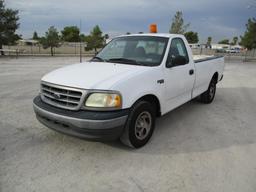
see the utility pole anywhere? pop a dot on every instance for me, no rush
(80, 41)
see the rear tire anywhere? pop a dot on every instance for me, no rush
(208, 96)
(140, 125)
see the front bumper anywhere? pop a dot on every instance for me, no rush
(91, 125)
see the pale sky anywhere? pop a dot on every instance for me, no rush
(219, 18)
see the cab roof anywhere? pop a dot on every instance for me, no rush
(168, 35)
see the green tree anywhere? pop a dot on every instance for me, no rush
(71, 34)
(82, 37)
(8, 25)
(209, 42)
(178, 25)
(224, 41)
(234, 41)
(51, 39)
(95, 40)
(192, 37)
(249, 38)
(35, 36)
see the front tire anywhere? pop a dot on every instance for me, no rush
(140, 125)
(208, 96)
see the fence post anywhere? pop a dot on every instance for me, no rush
(245, 55)
(31, 49)
(17, 53)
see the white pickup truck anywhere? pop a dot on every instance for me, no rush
(120, 92)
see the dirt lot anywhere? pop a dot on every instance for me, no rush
(194, 148)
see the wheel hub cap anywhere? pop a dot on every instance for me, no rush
(143, 125)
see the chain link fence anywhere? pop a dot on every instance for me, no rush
(74, 50)
(244, 56)
(38, 50)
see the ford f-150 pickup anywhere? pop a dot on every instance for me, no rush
(120, 92)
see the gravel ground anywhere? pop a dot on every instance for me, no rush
(196, 147)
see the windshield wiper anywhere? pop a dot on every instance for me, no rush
(98, 59)
(124, 60)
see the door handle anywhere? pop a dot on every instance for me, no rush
(191, 71)
(160, 81)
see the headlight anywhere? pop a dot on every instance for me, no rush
(104, 100)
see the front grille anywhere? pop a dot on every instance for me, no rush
(63, 97)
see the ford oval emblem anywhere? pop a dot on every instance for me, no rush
(56, 95)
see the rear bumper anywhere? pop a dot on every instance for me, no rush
(91, 125)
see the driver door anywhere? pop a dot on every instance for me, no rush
(179, 75)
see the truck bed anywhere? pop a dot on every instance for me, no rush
(201, 58)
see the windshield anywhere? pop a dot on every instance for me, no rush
(137, 50)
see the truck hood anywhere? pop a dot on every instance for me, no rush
(93, 75)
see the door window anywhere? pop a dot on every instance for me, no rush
(178, 53)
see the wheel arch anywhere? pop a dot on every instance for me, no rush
(216, 76)
(151, 98)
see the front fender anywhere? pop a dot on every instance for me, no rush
(141, 84)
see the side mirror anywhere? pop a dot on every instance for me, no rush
(176, 61)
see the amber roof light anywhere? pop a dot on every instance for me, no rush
(153, 28)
